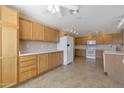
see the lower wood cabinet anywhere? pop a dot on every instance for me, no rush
(99, 54)
(55, 59)
(27, 67)
(42, 63)
(80, 52)
(31, 66)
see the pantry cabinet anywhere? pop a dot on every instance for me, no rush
(8, 46)
(42, 63)
(25, 29)
(27, 67)
(38, 31)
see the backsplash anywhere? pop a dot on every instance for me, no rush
(36, 46)
(103, 47)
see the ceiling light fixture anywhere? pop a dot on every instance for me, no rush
(54, 8)
(74, 31)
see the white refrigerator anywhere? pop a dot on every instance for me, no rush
(67, 45)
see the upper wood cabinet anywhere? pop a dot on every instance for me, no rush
(8, 46)
(25, 29)
(38, 31)
(91, 37)
(99, 39)
(51, 35)
(117, 38)
(8, 16)
(33, 31)
(107, 38)
(79, 41)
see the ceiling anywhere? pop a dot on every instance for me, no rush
(91, 19)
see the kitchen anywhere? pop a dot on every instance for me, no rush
(36, 50)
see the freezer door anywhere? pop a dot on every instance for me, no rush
(70, 50)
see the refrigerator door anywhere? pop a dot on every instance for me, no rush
(70, 50)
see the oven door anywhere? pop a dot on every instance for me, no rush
(91, 53)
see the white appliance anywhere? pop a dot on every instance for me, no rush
(91, 49)
(91, 42)
(67, 45)
(91, 53)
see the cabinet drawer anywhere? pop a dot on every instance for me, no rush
(27, 74)
(26, 58)
(27, 63)
(28, 68)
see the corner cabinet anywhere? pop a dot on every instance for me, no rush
(8, 46)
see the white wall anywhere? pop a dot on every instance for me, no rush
(36, 46)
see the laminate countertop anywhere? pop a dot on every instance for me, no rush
(36, 53)
(113, 52)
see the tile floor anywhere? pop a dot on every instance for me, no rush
(80, 74)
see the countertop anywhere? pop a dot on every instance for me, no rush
(36, 53)
(114, 52)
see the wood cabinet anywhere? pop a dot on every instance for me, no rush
(114, 66)
(29, 30)
(99, 39)
(80, 52)
(8, 46)
(99, 54)
(42, 63)
(51, 35)
(79, 41)
(27, 67)
(63, 33)
(25, 29)
(55, 59)
(107, 39)
(38, 31)
(117, 38)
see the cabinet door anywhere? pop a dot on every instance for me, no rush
(9, 42)
(107, 39)
(79, 41)
(42, 63)
(91, 37)
(60, 58)
(99, 39)
(9, 16)
(52, 60)
(25, 29)
(78, 52)
(114, 66)
(51, 35)
(9, 71)
(117, 38)
(38, 31)
(0, 72)
(0, 41)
